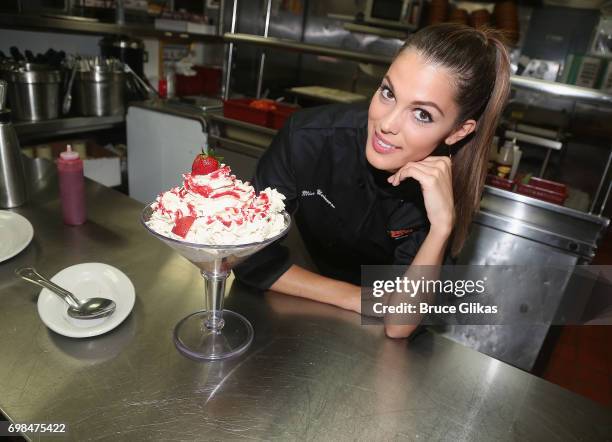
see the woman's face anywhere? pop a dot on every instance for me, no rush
(412, 112)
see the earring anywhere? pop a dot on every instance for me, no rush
(450, 154)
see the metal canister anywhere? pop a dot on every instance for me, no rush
(34, 92)
(100, 92)
(12, 174)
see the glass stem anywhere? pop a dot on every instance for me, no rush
(214, 293)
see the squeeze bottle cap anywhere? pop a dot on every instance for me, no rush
(69, 154)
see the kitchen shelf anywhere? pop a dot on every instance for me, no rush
(237, 146)
(235, 134)
(563, 90)
(279, 43)
(215, 116)
(81, 25)
(32, 131)
(549, 87)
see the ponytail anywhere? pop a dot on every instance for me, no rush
(470, 162)
(479, 62)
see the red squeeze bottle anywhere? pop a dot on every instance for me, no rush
(72, 187)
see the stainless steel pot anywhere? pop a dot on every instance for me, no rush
(99, 92)
(34, 92)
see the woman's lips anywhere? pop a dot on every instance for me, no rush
(381, 146)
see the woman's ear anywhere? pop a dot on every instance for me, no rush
(461, 132)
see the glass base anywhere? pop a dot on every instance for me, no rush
(193, 339)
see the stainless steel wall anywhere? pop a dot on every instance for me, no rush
(312, 24)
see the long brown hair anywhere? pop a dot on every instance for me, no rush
(480, 66)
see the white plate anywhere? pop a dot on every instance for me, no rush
(88, 280)
(16, 232)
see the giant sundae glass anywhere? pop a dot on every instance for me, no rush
(202, 203)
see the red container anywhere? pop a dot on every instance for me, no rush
(239, 109)
(207, 81)
(162, 88)
(280, 115)
(210, 79)
(188, 85)
(550, 191)
(500, 182)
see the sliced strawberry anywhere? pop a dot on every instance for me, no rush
(203, 164)
(182, 225)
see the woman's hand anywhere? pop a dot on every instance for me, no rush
(435, 176)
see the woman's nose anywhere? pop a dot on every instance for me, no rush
(391, 122)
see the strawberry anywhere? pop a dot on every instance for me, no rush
(205, 163)
(182, 225)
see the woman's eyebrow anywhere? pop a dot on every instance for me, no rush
(390, 83)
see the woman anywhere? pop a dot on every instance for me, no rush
(397, 183)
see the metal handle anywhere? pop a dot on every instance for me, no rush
(3, 90)
(140, 81)
(68, 97)
(31, 275)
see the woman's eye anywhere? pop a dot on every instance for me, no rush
(422, 116)
(386, 93)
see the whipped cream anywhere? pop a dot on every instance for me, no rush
(227, 211)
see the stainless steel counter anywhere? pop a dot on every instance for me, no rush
(313, 371)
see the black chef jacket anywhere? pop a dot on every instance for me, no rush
(346, 211)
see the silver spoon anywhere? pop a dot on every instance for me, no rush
(90, 308)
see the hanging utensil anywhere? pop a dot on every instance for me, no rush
(68, 97)
(140, 81)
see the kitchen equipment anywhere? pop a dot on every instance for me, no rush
(68, 97)
(327, 95)
(151, 128)
(404, 14)
(34, 91)
(267, 113)
(280, 115)
(90, 308)
(502, 183)
(99, 88)
(12, 173)
(129, 51)
(125, 49)
(546, 190)
(133, 76)
(241, 109)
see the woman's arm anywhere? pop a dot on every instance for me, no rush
(303, 283)
(431, 253)
(297, 281)
(435, 177)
